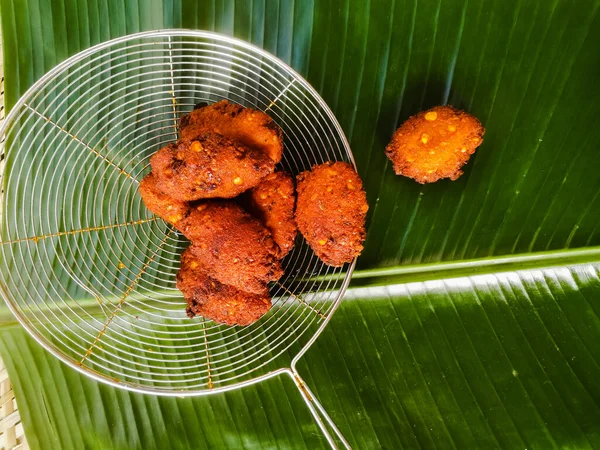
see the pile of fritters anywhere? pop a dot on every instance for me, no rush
(237, 246)
(225, 150)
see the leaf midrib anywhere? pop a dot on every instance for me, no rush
(437, 271)
(484, 266)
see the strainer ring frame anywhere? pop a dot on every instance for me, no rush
(227, 40)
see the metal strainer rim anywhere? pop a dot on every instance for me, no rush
(174, 33)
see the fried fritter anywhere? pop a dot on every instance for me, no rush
(435, 144)
(272, 202)
(159, 203)
(234, 246)
(331, 211)
(250, 127)
(213, 300)
(208, 166)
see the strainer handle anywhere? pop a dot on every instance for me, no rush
(319, 413)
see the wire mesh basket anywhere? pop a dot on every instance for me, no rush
(90, 272)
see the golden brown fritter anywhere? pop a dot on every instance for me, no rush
(331, 211)
(250, 127)
(208, 166)
(272, 202)
(233, 246)
(160, 203)
(213, 300)
(435, 144)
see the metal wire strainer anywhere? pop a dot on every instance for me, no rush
(90, 272)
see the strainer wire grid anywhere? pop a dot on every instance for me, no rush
(90, 272)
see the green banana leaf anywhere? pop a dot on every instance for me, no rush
(492, 361)
(503, 358)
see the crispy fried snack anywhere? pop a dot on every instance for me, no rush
(331, 211)
(272, 202)
(234, 246)
(208, 166)
(250, 127)
(159, 203)
(213, 300)
(435, 144)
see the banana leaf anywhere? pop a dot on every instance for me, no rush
(497, 349)
(491, 361)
